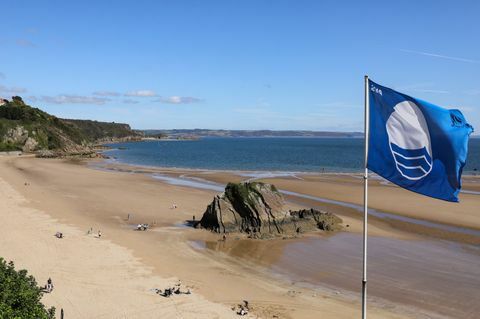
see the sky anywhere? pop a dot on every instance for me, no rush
(283, 65)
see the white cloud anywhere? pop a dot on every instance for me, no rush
(74, 99)
(12, 90)
(441, 56)
(179, 100)
(141, 93)
(106, 93)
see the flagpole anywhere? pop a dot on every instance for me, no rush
(365, 203)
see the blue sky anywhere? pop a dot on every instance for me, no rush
(237, 64)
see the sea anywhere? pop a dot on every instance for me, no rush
(258, 154)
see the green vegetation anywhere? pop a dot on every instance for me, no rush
(94, 130)
(9, 147)
(243, 192)
(154, 134)
(19, 295)
(50, 132)
(234, 191)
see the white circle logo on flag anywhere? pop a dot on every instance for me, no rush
(409, 141)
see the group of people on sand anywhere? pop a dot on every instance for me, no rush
(143, 227)
(60, 235)
(90, 231)
(176, 289)
(242, 309)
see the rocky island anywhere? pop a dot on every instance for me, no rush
(258, 210)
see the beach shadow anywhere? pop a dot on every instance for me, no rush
(191, 223)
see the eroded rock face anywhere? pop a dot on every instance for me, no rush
(258, 209)
(30, 145)
(17, 135)
(246, 207)
(324, 221)
(20, 136)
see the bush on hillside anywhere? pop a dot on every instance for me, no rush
(19, 295)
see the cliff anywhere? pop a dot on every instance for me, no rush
(30, 129)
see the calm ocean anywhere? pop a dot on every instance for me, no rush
(257, 154)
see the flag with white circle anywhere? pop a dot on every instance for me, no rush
(416, 145)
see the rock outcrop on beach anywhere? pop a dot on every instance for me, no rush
(245, 207)
(258, 209)
(323, 220)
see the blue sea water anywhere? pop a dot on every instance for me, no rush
(258, 154)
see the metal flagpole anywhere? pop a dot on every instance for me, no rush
(365, 204)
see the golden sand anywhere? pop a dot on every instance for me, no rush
(111, 277)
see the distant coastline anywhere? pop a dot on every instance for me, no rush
(198, 133)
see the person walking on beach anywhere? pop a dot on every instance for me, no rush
(99, 234)
(49, 285)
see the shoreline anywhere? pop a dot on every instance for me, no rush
(208, 177)
(443, 231)
(256, 174)
(252, 171)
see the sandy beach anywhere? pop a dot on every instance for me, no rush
(113, 276)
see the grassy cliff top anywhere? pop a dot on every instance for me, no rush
(19, 121)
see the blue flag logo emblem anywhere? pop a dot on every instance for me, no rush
(415, 144)
(409, 141)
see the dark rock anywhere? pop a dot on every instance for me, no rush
(246, 207)
(258, 209)
(46, 154)
(325, 221)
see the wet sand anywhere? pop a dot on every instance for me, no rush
(71, 197)
(297, 278)
(435, 277)
(321, 196)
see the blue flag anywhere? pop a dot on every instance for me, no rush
(416, 145)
